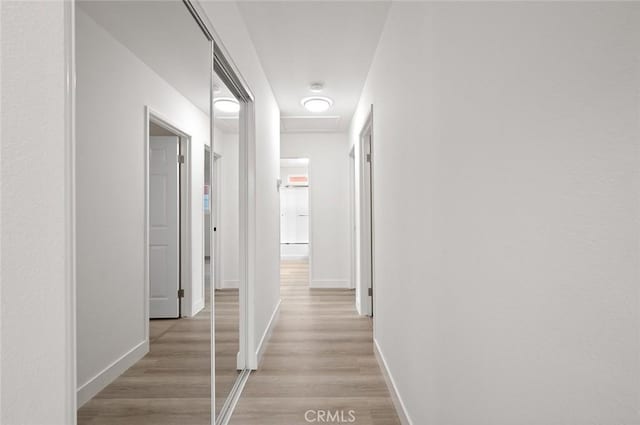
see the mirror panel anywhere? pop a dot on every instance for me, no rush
(142, 124)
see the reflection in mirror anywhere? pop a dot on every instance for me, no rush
(143, 317)
(226, 111)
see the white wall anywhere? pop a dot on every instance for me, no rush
(36, 375)
(113, 88)
(328, 155)
(506, 207)
(230, 26)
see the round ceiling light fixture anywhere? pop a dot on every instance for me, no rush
(317, 103)
(227, 104)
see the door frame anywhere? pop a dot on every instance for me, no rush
(184, 235)
(352, 220)
(366, 217)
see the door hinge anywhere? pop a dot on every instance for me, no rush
(368, 157)
(180, 293)
(371, 292)
(180, 159)
(215, 228)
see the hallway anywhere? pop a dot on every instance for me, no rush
(320, 357)
(468, 171)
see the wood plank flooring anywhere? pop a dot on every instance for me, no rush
(171, 384)
(319, 357)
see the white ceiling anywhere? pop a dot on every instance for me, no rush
(300, 42)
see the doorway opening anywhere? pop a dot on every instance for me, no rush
(363, 213)
(168, 224)
(295, 220)
(353, 234)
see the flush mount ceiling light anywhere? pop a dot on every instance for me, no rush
(317, 103)
(227, 104)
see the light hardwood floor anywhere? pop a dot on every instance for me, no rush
(319, 357)
(171, 384)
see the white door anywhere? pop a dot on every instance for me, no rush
(164, 227)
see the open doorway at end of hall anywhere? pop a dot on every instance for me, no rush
(295, 241)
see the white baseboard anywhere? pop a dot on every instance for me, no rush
(197, 307)
(405, 419)
(96, 384)
(230, 284)
(266, 336)
(330, 284)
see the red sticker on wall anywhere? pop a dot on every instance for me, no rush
(298, 179)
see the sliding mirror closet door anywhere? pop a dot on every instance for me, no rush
(143, 121)
(227, 260)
